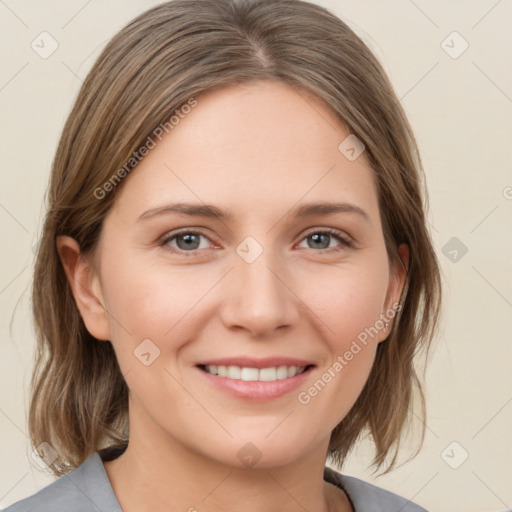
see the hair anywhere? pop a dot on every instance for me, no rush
(153, 66)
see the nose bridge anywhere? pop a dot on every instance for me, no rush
(260, 300)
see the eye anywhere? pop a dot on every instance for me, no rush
(189, 241)
(320, 239)
(186, 241)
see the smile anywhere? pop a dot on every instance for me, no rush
(247, 374)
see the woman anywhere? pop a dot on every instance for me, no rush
(234, 274)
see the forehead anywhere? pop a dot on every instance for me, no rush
(260, 147)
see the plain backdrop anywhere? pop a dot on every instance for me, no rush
(450, 65)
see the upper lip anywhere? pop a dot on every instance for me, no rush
(250, 362)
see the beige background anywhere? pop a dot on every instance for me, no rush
(461, 111)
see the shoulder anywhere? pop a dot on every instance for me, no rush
(365, 496)
(85, 489)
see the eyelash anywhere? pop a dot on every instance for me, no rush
(345, 241)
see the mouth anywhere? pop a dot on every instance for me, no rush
(255, 379)
(252, 374)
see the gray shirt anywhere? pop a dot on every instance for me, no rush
(88, 489)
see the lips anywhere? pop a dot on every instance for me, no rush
(249, 362)
(256, 379)
(248, 374)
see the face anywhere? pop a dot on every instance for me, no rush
(249, 293)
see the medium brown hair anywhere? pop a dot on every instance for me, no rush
(152, 67)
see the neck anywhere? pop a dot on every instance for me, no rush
(157, 473)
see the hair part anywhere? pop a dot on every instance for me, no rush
(152, 67)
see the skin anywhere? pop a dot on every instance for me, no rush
(258, 150)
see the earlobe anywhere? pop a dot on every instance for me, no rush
(403, 252)
(396, 285)
(399, 276)
(85, 286)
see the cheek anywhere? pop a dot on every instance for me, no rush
(158, 303)
(347, 299)
(172, 305)
(150, 300)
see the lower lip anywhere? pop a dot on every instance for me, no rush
(256, 389)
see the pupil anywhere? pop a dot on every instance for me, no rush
(316, 237)
(189, 239)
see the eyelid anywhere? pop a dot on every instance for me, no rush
(171, 235)
(346, 240)
(342, 235)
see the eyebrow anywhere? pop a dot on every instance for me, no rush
(210, 211)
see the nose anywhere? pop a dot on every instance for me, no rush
(259, 296)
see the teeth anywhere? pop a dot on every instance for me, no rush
(234, 372)
(282, 372)
(268, 374)
(253, 374)
(248, 374)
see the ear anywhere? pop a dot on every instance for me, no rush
(397, 281)
(85, 285)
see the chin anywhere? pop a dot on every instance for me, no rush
(263, 451)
